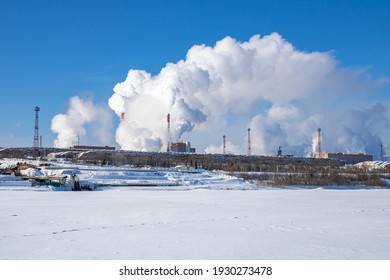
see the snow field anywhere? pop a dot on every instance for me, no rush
(150, 223)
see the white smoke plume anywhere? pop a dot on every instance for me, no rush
(229, 149)
(282, 93)
(71, 126)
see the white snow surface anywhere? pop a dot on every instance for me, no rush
(208, 215)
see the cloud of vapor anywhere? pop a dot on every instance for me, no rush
(281, 93)
(229, 149)
(349, 131)
(71, 126)
(358, 131)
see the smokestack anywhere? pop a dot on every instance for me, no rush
(381, 152)
(249, 142)
(169, 131)
(224, 144)
(319, 141)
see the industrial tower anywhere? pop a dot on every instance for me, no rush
(381, 152)
(169, 132)
(249, 142)
(224, 144)
(36, 129)
(319, 141)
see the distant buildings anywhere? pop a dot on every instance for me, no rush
(182, 147)
(347, 158)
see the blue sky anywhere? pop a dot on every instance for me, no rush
(53, 50)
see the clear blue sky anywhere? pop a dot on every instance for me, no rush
(52, 50)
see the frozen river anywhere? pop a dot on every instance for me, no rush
(194, 223)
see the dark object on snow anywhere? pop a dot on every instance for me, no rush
(76, 183)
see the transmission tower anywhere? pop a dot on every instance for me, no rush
(36, 129)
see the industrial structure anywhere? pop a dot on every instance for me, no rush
(182, 147)
(176, 147)
(36, 129)
(319, 144)
(347, 158)
(224, 144)
(381, 151)
(279, 151)
(249, 152)
(168, 131)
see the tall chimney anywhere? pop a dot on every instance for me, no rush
(169, 131)
(249, 142)
(319, 141)
(224, 144)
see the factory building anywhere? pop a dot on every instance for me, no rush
(347, 158)
(181, 147)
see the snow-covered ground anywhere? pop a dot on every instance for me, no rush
(205, 215)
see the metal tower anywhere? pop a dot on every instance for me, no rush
(224, 144)
(249, 142)
(319, 141)
(36, 129)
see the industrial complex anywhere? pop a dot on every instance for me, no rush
(185, 147)
(181, 147)
(320, 169)
(347, 158)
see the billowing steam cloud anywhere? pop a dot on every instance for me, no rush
(71, 126)
(283, 94)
